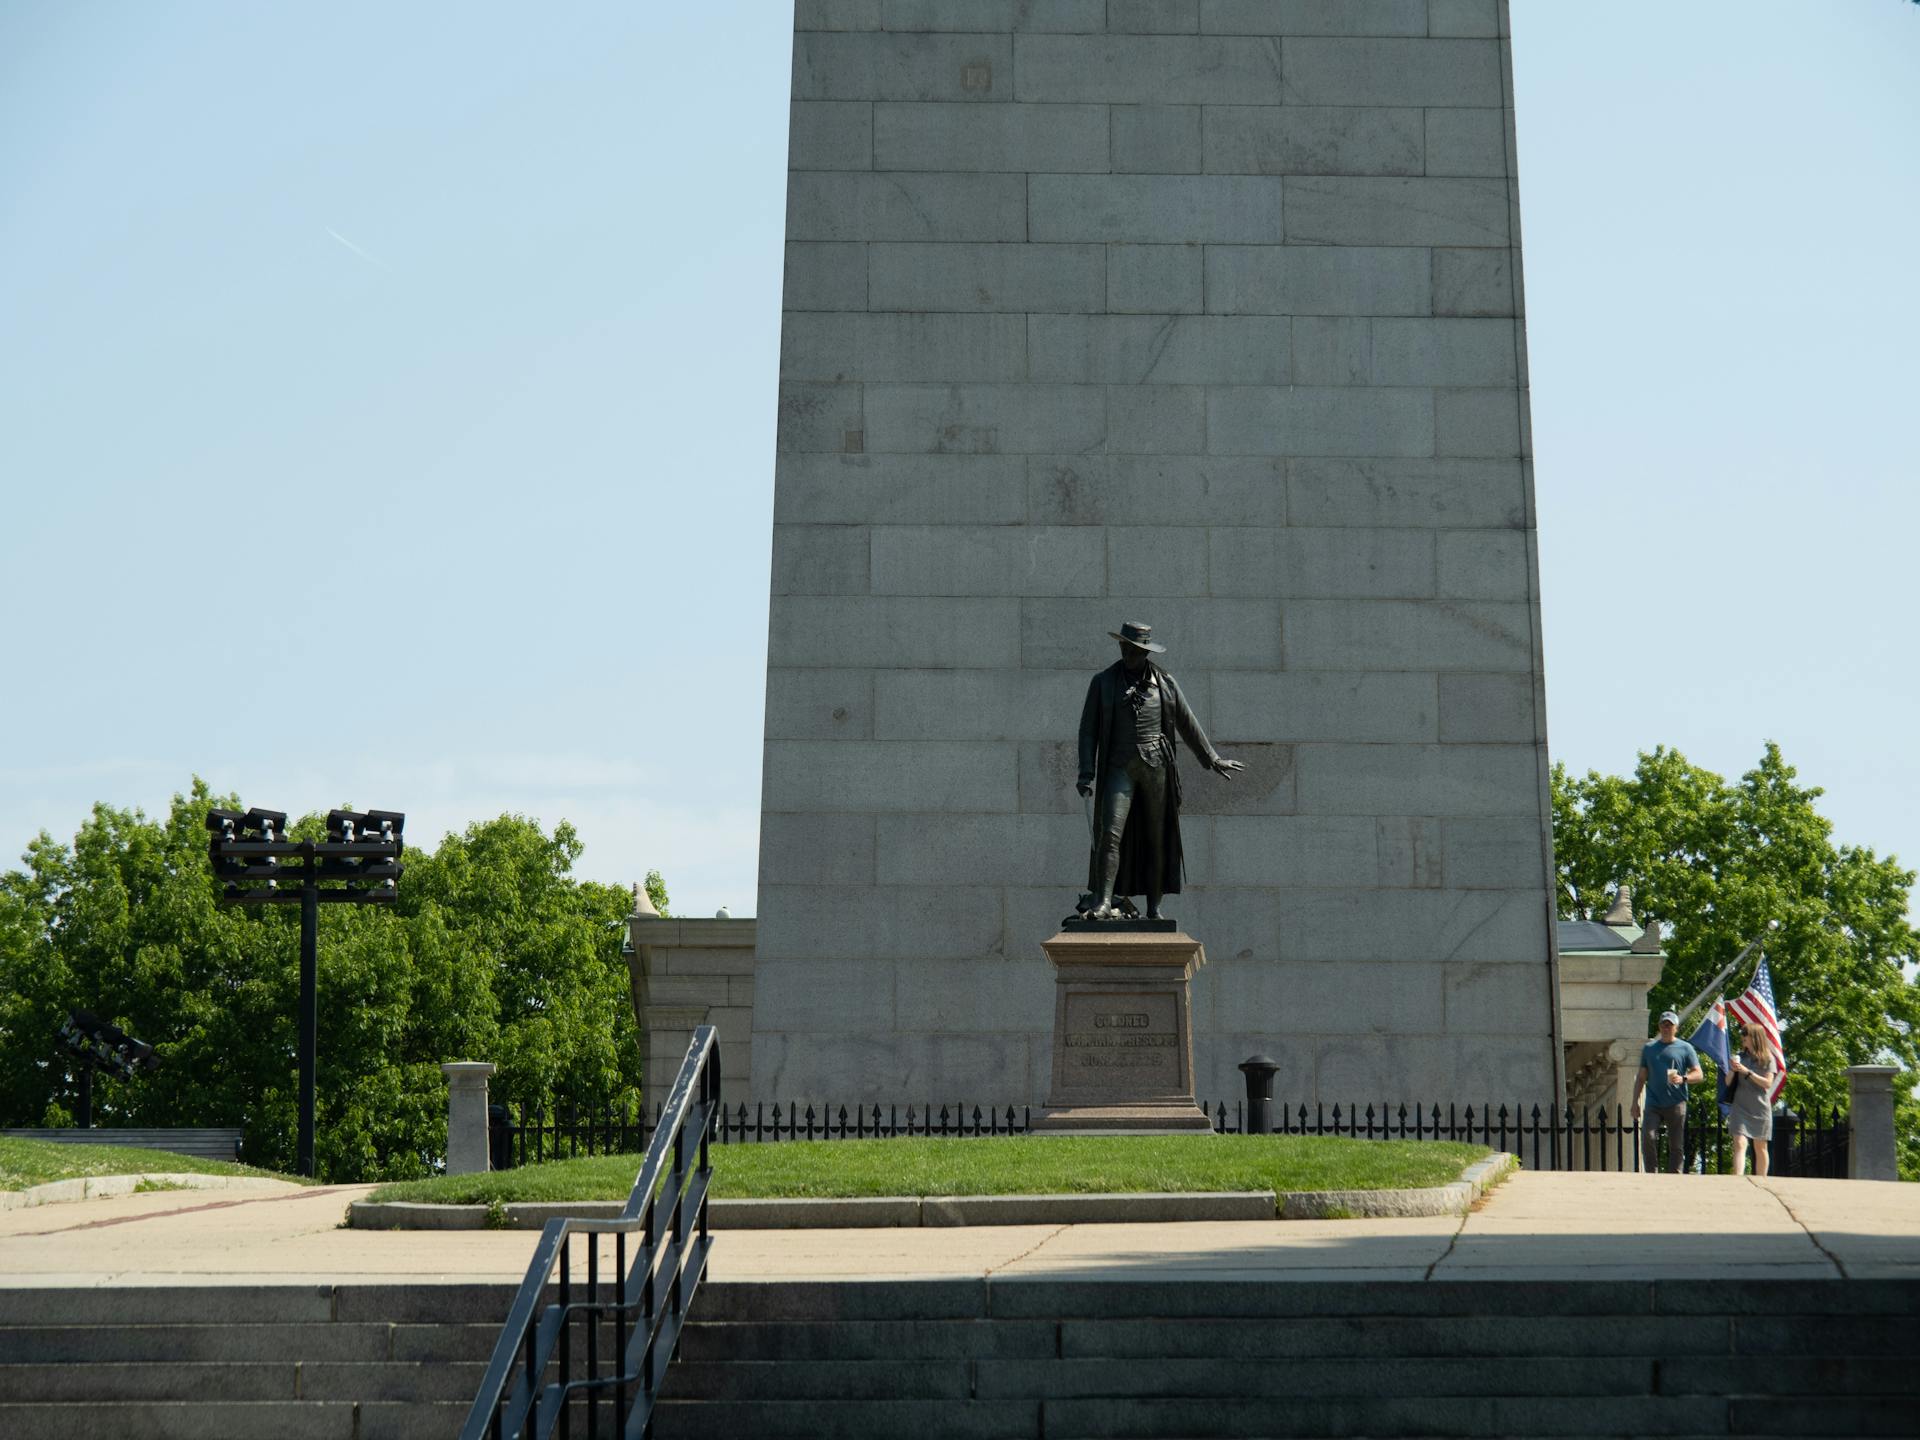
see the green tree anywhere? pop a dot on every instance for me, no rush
(1715, 862)
(492, 951)
(546, 948)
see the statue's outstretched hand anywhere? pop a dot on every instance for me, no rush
(1225, 768)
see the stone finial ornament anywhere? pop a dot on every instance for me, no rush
(1621, 911)
(642, 906)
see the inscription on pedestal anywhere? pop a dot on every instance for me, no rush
(1122, 1032)
(1122, 1043)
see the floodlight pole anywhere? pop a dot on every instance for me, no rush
(362, 850)
(86, 1095)
(309, 1011)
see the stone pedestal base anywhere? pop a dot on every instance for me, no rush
(467, 1150)
(1122, 1032)
(1872, 1151)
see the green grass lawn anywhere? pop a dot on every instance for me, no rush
(25, 1163)
(1003, 1165)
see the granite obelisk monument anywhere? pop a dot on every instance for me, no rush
(1207, 316)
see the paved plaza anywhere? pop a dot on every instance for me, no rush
(1537, 1225)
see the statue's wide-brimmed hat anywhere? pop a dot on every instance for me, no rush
(1134, 633)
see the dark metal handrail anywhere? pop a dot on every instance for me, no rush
(650, 1301)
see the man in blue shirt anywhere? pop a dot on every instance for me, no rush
(1667, 1067)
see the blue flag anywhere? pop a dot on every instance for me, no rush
(1711, 1041)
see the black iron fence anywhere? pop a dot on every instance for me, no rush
(1545, 1138)
(1589, 1138)
(530, 1135)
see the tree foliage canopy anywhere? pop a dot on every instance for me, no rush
(1714, 862)
(493, 951)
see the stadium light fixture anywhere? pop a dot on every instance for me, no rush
(357, 864)
(100, 1045)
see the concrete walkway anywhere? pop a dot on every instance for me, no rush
(1536, 1226)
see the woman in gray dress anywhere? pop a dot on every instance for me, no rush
(1752, 1115)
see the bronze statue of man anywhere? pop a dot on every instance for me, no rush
(1130, 728)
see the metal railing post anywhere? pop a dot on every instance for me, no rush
(516, 1398)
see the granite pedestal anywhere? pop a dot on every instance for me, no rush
(467, 1150)
(1872, 1151)
(1122, 1031)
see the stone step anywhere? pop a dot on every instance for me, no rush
(181, 1420)
(242, 1380)
(866, 1339)
(1857, 1416)
(1065, 1299)
(433, 1382)
(1662, 1415)
(1282, 1339)
(168, 1305)
(257, 1420)
(848, 1420)
(1229, 1418)
(477, 1304)
(1338, 1337)
(968, 1357)
(1008, 1378)
(1378, 1378)
(1816, 1374)
(824, 1380)
(838, 1300)
(432, 1420)
(1332, 1337)
(1826, 1335)
(340, 1340)
(103, 1344)
(977, 1420)
(1185, 1419)
(227, 1382)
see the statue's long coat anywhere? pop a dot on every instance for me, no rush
(1107, 691)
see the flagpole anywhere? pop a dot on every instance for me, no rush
(1714, 984)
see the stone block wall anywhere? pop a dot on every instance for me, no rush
(1205, 313)
(688, 973)
(1603, 1018)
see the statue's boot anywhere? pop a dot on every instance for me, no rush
(1103, 889)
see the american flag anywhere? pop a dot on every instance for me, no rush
(1756, 1008)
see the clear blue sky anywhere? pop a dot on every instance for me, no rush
(387, 397)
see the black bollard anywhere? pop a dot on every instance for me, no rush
(1259, 1072)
